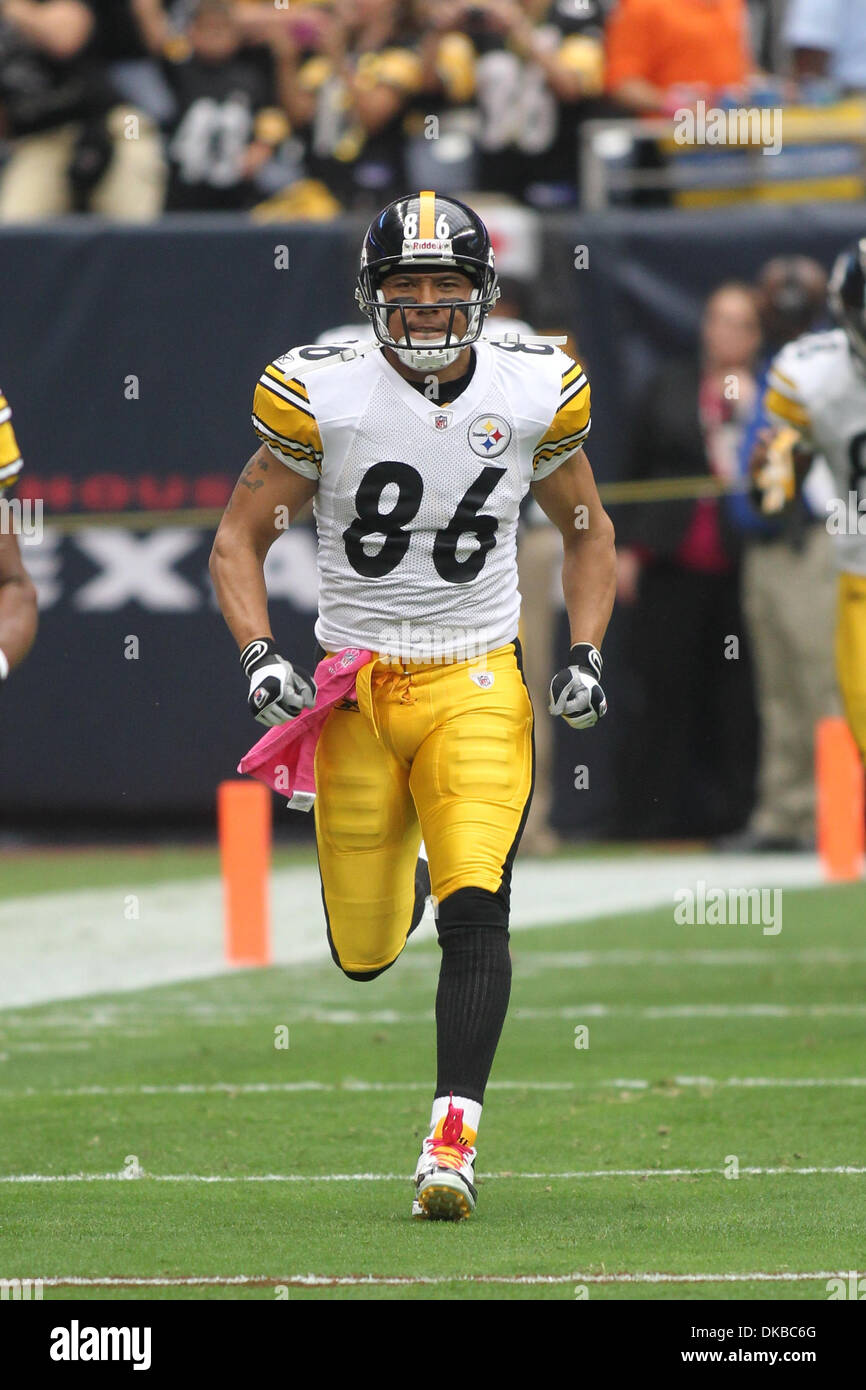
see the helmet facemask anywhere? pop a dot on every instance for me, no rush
(424, 354)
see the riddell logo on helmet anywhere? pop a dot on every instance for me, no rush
(430, 246)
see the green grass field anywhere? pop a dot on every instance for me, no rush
(278, 1164)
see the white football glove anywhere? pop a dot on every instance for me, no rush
(575, 692)
(278, 690)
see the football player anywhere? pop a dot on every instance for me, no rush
(816, 396)
(17, 595)
(418, 449)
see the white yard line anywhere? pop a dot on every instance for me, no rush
(247, 1088)
(60, 1281)
(134, 1017)
(571, 1176)
(66, 945)
(350, 1018)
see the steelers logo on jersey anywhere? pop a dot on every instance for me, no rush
(489, 436)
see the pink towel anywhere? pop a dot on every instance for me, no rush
(284, 758)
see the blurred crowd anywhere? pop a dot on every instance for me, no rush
(723, 716)
(303, 108)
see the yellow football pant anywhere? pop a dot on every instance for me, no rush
(851, 653)
(442, 752)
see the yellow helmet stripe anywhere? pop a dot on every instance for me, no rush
(427, 215)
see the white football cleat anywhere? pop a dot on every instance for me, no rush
(445, 1174)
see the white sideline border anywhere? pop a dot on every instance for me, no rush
(58, 1281)
(69, 945)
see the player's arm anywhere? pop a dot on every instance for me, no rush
(267, 496)
(569, 497)
(565, 489)
(18, 615)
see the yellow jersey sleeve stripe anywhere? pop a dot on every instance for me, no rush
(274, 437)
(786, 380)
(311, 447)
(297, 459)
(290, 381)
(285, 425)
(571, 374)
(572, 419)
(10, 455)
(784, 385)
(575, 389)
(284, 393)
(9, 474)
(8, 443)
(427, 215)
(564, 447)
(785, 409)
(310, 468)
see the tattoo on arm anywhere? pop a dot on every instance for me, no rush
(247, 480)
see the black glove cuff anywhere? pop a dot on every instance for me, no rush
(255, 652)
(586, 655)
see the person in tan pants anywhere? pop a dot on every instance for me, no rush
(35, 186)
(53, 92)
(788, 597)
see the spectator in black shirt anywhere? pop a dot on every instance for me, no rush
(537, 74)
(72, 144)
(225, 124)
(134, 73)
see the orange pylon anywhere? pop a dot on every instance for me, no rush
(244, 820)
(839, 774)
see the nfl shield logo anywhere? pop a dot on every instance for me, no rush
(440, 422)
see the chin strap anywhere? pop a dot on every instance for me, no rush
(352, 349)
(517, 339)
(434, 359)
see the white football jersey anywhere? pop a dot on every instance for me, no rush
(817, 386)
(418, 500)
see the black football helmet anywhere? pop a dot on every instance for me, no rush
(847, 296)
(423, 232)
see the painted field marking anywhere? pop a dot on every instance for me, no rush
(58, 1281)
(576, 1175)
(529, 963)
(362, 1087)
(62, 945)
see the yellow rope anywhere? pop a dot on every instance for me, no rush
(208, 518)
